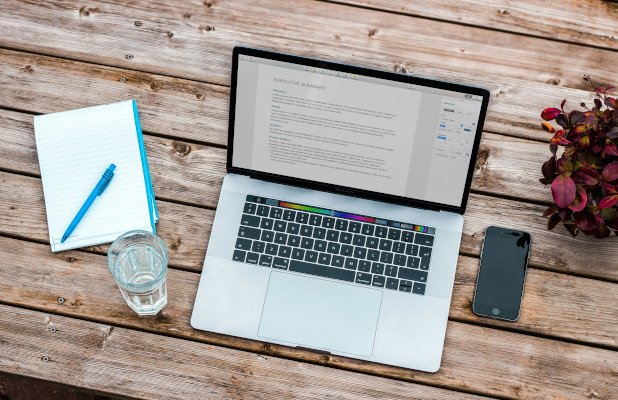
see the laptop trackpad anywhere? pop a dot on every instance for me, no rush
(320, 314)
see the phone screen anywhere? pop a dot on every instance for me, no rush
(500, 283)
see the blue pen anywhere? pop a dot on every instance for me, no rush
(98, 189)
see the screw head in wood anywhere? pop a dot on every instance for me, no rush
(60, 300)
(138, 23)
(45, 358)
(123, 80)
(52, 329)
(129, 56)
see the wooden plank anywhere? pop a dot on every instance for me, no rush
(555, 305)
(521, 366)
(197, 111)
(22, 214)
(133, 364)
(197, 51)
(585, 22)
(189, 172)
(167, 106)
(184, 229)
(505, 166)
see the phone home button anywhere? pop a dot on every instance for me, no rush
(495, 311)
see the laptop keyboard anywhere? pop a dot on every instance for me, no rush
(332, 244)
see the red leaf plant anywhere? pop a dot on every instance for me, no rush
(584, 179)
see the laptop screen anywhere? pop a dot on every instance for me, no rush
(357, 131)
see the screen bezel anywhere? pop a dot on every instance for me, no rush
(311, 62)
(509, 314)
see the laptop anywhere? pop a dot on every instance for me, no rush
(340, 217)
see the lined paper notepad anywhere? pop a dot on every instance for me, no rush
(75, 148)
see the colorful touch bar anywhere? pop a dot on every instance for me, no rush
(352, 216)
(272, 202)
(305, 208)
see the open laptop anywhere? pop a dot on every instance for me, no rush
(340, 218)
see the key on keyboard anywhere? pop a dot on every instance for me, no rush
(388, 255)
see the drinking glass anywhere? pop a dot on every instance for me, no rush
(138, 263)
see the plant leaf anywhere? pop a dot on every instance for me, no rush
(581, 199)
(615, 224)
(589, 176)
(562, 104)
(550, 113)
(610, 189)
(598, 103)
(553, 221)
(610, 172)
(602, 231)
(547, 126)
(585, 220)
(563, 190)
(613, 133)
(577, 118)
(565, 214)
(611, 103)
(562, 120)
(584, 143)
(611, 149)
(608, 201)
(553, 148)
(550, 210)
(572, 228)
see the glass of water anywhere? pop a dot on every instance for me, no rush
(138, 263)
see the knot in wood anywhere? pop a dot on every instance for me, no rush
(181, 148)
(86, 11)
(199, 96)
(553, 81)
(176, 244)
(372, 32)
(187, 16)
(71, 259)
(154, 86)
(208, 4)
(28, 68)
(401, 69)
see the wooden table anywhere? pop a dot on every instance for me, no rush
(62, 318)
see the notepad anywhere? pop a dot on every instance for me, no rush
(75, 148)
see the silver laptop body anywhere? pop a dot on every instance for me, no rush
(319, 243)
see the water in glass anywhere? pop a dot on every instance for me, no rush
(138, 263)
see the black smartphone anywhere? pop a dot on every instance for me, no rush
(502, 272)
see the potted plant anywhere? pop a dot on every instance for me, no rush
(584, 176)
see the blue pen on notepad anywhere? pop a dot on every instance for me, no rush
(98, 189)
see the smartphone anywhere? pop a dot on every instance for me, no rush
(502, 272)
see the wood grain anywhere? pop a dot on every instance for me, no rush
(520, 365)
(197, 51)
(196, 111)
(22, 214)
(184, 229)
(140, 365)
(196, 178)
(190, 172)
(554, 305)
(585, 22)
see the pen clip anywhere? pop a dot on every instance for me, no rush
(108, 175)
